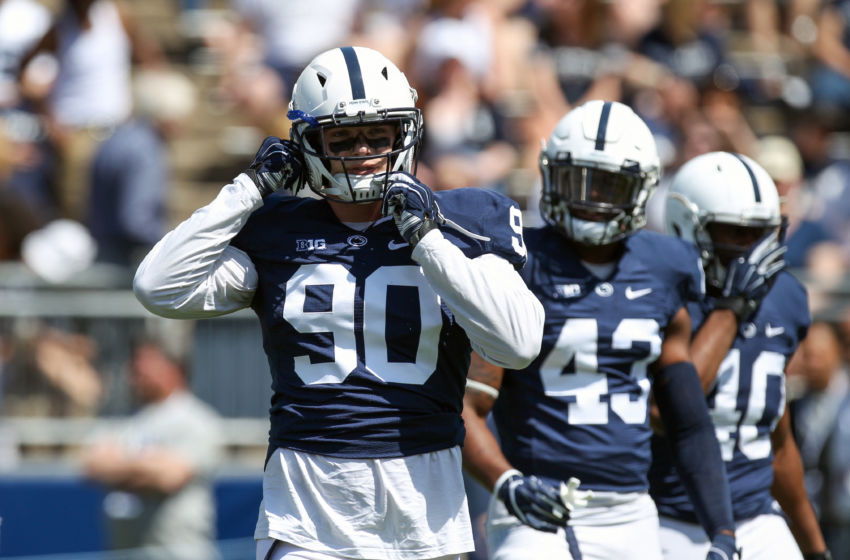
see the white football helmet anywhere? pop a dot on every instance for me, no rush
(724, 188)
(599, 167)
(351, 86)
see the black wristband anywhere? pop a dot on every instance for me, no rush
(258, 182)
(825, 555)
(740, 306)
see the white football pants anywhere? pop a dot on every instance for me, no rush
(285, 551)
(621, 526)
(764, 537)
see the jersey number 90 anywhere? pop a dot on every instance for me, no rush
(339, 318)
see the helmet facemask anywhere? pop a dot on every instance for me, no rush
(320, 151)
(719, 246)
(591, 204)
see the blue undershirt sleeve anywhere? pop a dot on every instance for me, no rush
(690, 431)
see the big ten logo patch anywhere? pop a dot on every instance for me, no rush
(310, 244)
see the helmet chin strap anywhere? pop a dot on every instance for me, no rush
(715, 273)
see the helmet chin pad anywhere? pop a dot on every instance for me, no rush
(356, 188)
(589, 232)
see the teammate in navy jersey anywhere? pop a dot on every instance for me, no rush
(749, 326)
(616, 329)
(371, 295)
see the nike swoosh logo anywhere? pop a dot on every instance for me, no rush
(770, 331)
(394, 246)
(634, 294)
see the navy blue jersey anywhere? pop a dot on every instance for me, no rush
(582, 407)
(746, 402)
(366, 360)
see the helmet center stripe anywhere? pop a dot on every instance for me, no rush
(756, 191)
(358, 90)
(603, 126)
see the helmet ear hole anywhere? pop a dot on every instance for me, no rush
(677, 231)
(322, 79)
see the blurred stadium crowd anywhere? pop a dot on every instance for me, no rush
(119, 117)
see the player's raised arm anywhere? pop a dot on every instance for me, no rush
(194, 271)
(747, 282)
(501, 316)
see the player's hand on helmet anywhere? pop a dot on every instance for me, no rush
(412, 206)
(723, 548)
(750, 276)
(536, 503)
(278, 164)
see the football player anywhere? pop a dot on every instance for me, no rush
(752, 321)
(617, 328)
(370, 296)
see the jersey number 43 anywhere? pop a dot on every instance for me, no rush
(570, 371)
